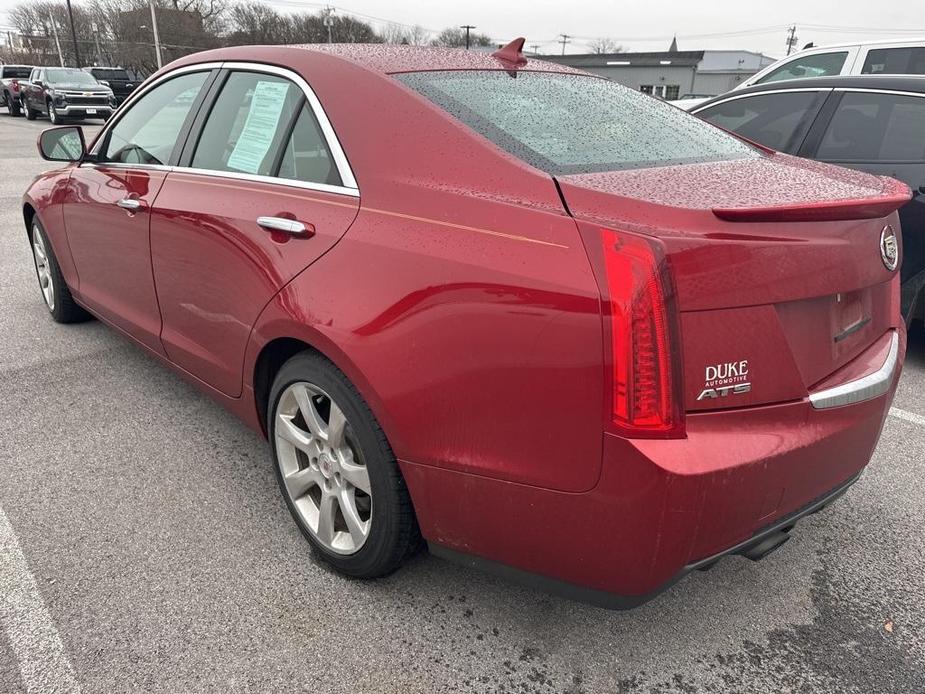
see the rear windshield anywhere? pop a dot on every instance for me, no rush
(17, 72)
(106, 74)
(566, 124)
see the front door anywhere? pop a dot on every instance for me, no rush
(108, 212)
(257, 199)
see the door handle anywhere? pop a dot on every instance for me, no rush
(130, 204)
(289, 226)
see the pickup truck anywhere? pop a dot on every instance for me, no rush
(66, 92)
(12, 78)
(116, 78)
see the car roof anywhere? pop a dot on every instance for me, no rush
(900, 83)
(913, 41)
(392, 58)
(380, 58)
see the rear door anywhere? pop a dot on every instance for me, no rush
(895, 60)
(882, 133)
(779, 119)
(107, 213)
(263, 190)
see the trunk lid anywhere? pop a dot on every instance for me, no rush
(776, 262)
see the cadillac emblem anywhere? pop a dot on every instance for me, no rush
(889, 248)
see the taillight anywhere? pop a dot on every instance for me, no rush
(14, 85)
(646, 382)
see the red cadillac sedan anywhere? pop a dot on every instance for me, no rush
(546, 324)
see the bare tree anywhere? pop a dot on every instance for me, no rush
(605, 45)
(454, 37)
(406, 35)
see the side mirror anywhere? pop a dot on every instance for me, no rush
(38, 83)
(62, 144)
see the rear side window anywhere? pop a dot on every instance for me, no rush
(306, 156)
(109, 74)
(566, 124)
(817, 65)
(895, 61)
(869, 127)
(247, 124)
(778, 121)
(147, 133)
(20, 73)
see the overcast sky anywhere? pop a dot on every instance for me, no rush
(649, 25)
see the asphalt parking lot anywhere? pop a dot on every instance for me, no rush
(144, 547)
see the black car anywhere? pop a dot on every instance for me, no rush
(117, 78)
(66, 92)
(871, 123)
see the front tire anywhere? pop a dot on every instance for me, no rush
(53, 114)
(336, 470)
(55, 292)
(30, 113)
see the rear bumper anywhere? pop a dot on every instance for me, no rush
(660, 507)
(762, 542)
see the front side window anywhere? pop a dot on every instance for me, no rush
(870, 127)
(247, 123)
(816, 65)
(567, 124)
(895, 61)
(147, 133)
(778, 121)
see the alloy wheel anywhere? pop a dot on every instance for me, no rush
(322, 468)
(43, 268)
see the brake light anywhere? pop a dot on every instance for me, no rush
(646, 362)
(14, 85)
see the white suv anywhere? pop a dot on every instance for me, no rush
(894, 57)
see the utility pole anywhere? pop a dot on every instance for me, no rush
(70, 14)
(536, 48)
(564, 40)
(96, 38)
(328, 21)
(157, 36)
(467, 27)
(791, 38)
(54, 32)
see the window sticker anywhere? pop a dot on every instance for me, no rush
(254, 142)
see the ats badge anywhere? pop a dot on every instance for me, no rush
(723, 380)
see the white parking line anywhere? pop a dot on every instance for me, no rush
(32, 635)
(908, 416)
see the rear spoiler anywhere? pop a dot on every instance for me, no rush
(895, 194)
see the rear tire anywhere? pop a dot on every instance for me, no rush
(55, 292)
(323, 461)
(14, 106)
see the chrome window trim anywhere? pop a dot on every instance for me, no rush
(734, 96)
(349, 186)
(874, 90)
(256, 178)
(866, 388)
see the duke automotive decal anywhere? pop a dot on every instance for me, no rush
(722, 380)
